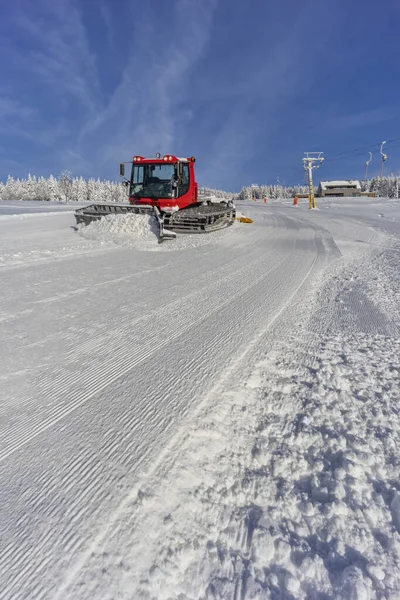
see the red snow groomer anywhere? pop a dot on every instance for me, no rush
(165, 187)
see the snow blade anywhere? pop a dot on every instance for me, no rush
(164, 234)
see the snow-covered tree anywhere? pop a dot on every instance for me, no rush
(10, 189)
(53, 189)
(81, 190)
(65, 185)
(91, 190)
(30, 188)
(41, 191)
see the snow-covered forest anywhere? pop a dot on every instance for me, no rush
(67, 188)
(271, 191)
(386, 187)
(206, 191)
(62, 188)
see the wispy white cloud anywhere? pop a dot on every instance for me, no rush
(148, 110)
(50, 80)
(143, 114)
(60, 56)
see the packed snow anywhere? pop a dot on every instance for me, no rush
(220, 421)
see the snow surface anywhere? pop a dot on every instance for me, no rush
(217, 421)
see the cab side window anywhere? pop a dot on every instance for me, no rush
(184, 187)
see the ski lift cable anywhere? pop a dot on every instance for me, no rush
(361, 148)
(359, 154)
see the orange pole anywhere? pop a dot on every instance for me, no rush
(295, 201)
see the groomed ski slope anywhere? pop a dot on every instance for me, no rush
(215, 417)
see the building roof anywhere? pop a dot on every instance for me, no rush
(343, 183)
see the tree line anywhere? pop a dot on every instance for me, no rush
(66, 188)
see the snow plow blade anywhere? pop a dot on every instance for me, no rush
(94, 212)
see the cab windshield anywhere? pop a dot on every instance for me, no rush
(152, 181)
(158, 181)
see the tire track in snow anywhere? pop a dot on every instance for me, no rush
(108, 330)
(194, 366)
(112, 324)
(180, 261)
(126, 357)
(23, 433)
(60, 256)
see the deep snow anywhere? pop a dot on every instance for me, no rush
(217, 421)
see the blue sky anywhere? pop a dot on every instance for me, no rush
(246, 87)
